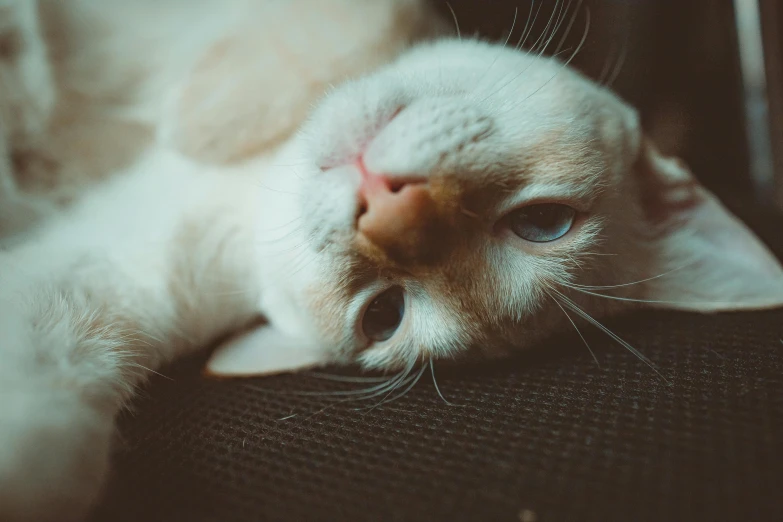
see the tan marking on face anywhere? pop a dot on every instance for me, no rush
(328, 305)
(418, 243)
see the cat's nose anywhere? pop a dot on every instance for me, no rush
(394, 214)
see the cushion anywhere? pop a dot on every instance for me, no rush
(549, 435)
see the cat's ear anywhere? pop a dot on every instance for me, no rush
(264, 350)
(706, 259)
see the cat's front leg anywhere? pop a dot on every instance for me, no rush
(56, 410)
(85, 319)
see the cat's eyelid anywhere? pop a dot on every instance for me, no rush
(578, 198)
(359, 302)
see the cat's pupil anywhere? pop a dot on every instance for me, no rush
(543, 222)
(384, 314)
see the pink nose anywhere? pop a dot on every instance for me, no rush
(394, 214)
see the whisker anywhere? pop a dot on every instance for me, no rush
(456, 23)
(302, 267)
(515, 77)
(513, 24)
(414, 378)
(578, 48)
(569, 27)
(403, 382)
(137, 365)
(618, 66)
(558, 23)
(340, 401)
(653, 301)
(526, 34)
(607, 66)
(296, 219)
(469, 213)
(370, 392)
(437, 388)
(542, 37)
(345, 378)
(506, 84)
(573, 307)
(276, 240)
(595, 358)
(607, 287)
(597, 254)
(497, 55)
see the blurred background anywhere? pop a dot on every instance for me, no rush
(704, 74)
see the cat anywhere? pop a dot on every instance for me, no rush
(463, 198)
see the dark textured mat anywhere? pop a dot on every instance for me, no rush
(551, 432)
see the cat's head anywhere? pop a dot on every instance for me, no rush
(470, 199)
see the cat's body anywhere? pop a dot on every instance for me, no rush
(401, 182)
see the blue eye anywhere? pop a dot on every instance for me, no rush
(384, 315)
(542, 223)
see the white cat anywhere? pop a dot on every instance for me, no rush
(465, 198)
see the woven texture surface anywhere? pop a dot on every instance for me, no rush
(550, 433)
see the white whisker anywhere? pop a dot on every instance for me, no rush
(569, 27)
(607, 66)
(526, 33)
(649, 301)
(137, 365)
(361, 394)
(595, 358)
(456, 23)
(618, 67)
(558, 23)
(607, 287)
(513, 24)
(345, 378)
(572, 306)
(414, 378)
(435, 383)
(542, 37)
(578, 48)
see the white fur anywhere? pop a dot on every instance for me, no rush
(171, 254)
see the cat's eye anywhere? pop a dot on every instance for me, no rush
(543, 222)
(384, 314)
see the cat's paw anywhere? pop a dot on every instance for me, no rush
(54, 453)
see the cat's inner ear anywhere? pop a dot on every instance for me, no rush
(706, 259)
(264, 350)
